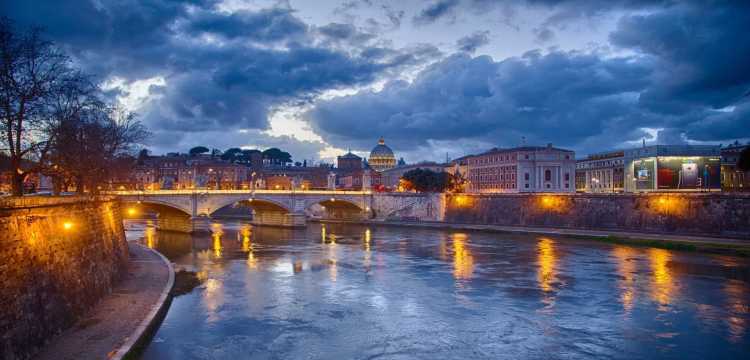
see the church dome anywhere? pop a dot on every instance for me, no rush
(381, 157)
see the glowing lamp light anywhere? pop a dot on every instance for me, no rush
(67, 225)
(332, 199)
(131, 211)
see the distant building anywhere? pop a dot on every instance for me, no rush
(349, 162)
(297, 177)
(601, 173)
(522, 169)
(180, 171)
(363, 179)
(381, 157)
(732, 178)
(390, 178)
(673, 168)
(650, 168)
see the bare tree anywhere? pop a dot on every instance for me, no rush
(31, 70)
(88, 147)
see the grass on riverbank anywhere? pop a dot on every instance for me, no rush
(668, 244)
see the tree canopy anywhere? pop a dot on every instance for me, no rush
(53, 119)
(425, 180)
(198, 150)
(277, 157)
(743, 163)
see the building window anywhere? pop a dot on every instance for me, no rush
(526, 186)
(526, 177)
(567, 177)
(547, 186)
(547, 175)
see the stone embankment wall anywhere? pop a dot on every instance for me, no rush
(398, 206)
(695, 214)
(58, 257)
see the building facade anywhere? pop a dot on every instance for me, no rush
(601, 173)
(349, 162)
(522, 169)
(176, 172)
(682, 168)
(732, 178)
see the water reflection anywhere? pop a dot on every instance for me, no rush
(547, 272)
(216, 233)
(738, 296)
(662, 283)
(339, 291)
(626, 267)
(463, 261)
(150, 234)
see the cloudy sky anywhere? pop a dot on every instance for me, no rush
(432, 77)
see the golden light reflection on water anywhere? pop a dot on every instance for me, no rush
(547, 260)
(216, 233)
(213, 297)
(662, 282)
(738, 305)
(368, 255)
(367, 239)
(626, 267)
(150, 234)
(463, 261)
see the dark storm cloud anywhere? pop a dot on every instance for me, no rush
(223, 71)
(472, 42)
(702, 58)
(560, 97)
(266, 25)
(434, 11)
(688, 75)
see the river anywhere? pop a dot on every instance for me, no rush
(355, 292)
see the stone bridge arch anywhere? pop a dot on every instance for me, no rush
(170, 216)
(337, 208)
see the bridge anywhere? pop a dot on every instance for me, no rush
(190, 210)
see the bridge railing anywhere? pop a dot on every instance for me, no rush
(230, 192)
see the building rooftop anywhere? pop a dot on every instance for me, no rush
(523, 148)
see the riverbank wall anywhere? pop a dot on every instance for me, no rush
(58, 257)
(702, 214)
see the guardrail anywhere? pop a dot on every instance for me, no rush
(229, 192)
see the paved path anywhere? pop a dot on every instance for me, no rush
(560, 231)
(114, 319)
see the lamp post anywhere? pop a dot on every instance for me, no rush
(252, 182)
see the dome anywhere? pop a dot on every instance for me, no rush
(381, 157)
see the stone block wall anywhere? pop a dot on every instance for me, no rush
(396, 206)
(692, 214)
(58, 257)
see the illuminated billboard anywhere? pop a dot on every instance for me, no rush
(690, 172)
(643, 172)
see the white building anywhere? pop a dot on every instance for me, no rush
(522, 169)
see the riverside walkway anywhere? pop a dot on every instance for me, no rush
(115, 324)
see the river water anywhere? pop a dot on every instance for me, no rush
(357, 292)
